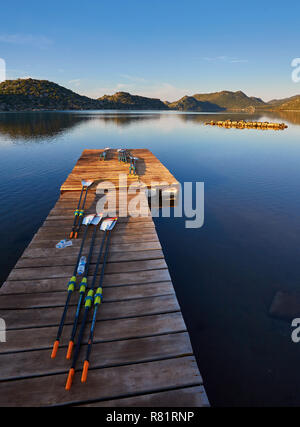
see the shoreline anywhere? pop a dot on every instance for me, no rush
(232, 111)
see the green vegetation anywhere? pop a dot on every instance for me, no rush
(230, 100)
(124, 100)
(277, 102)
(190, 103)
(291, 105)
(32, 94)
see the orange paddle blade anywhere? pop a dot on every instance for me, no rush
(85, 371)
(70, 379)
(54, 350)
(70, 349)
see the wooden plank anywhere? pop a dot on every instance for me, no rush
(189, 397)
(65, 260)
(110, 330)
(60, 284)
(131, 226)
(107, 383)
(44, 251)
(56, 299)
(121, 229)
(67, 271)
(57, 235)
(30, 318)
(65, 219)
(66, 214)
(105, 354)
(52, 239)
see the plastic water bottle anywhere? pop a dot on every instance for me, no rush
(60, 244)
(81, 265)
(63, 244)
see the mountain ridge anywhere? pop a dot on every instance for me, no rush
(124, 100)
(33, 94)
(190, 103)
(230, 100)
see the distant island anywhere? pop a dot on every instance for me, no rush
(40, 95)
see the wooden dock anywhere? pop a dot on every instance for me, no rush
(142, 354)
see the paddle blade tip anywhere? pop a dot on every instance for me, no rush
(85, 371)
(70, 379)
(70, 349)
(54, 350)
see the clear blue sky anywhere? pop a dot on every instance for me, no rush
(160, 48)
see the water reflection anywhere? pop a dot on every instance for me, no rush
(41, 125)
(292, 117)
(122, 120)
(202, 118)
(37, 125)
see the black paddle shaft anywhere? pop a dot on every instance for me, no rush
(87, 306)
(81, 213)
(78, 206)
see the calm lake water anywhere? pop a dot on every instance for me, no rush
(225, 273)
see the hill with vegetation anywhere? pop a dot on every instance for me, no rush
(233, 101)
(286, 104)
(32, 94)
(39, 95)
(124, 100)
(293, 104)
(278, 102)
(230, 100)
(190, 103)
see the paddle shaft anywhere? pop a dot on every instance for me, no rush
(81, 295)
(81, 213)
(97, 302)
(88, 304)
(77, 210)
(71, 288)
